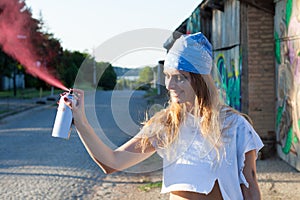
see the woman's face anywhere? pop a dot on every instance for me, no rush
(178, 83)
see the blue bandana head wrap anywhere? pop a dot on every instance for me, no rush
(190, 53)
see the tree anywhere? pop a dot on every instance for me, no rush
(145, 78)
(6, 64)
(8, 68)
(108, 78)
(146, 75)
(69, 66)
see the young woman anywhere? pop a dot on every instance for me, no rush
(209, 150)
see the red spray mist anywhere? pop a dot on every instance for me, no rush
(16, 37)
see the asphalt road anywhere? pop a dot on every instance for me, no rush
(34, 165)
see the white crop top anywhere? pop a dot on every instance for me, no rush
(190, 164)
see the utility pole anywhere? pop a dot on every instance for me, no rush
(154, 77)
(159, 78)
(20, 37)
(94, 69)
(14, 79)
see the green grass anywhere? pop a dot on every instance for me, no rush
(147, 187)
(27, 93)
(3, 111)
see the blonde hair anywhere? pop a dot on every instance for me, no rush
(207, 106)
(163, 127)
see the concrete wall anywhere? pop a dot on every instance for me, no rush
(8, 84)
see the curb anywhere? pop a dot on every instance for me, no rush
(34, 105)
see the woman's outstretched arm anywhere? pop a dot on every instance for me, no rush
(109, 160)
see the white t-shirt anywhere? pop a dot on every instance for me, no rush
(190, 163)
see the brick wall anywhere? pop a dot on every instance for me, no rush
(261, 71)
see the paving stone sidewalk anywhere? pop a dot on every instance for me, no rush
(277, 181)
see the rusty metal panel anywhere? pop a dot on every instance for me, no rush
(226, 25)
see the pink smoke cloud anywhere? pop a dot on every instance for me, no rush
(16, 40)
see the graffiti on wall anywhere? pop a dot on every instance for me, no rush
(230, 80)
(287, 54)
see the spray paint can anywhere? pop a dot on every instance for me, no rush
(63, 119)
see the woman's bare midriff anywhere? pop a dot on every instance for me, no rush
(215, 194)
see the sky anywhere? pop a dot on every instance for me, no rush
(86, 25)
